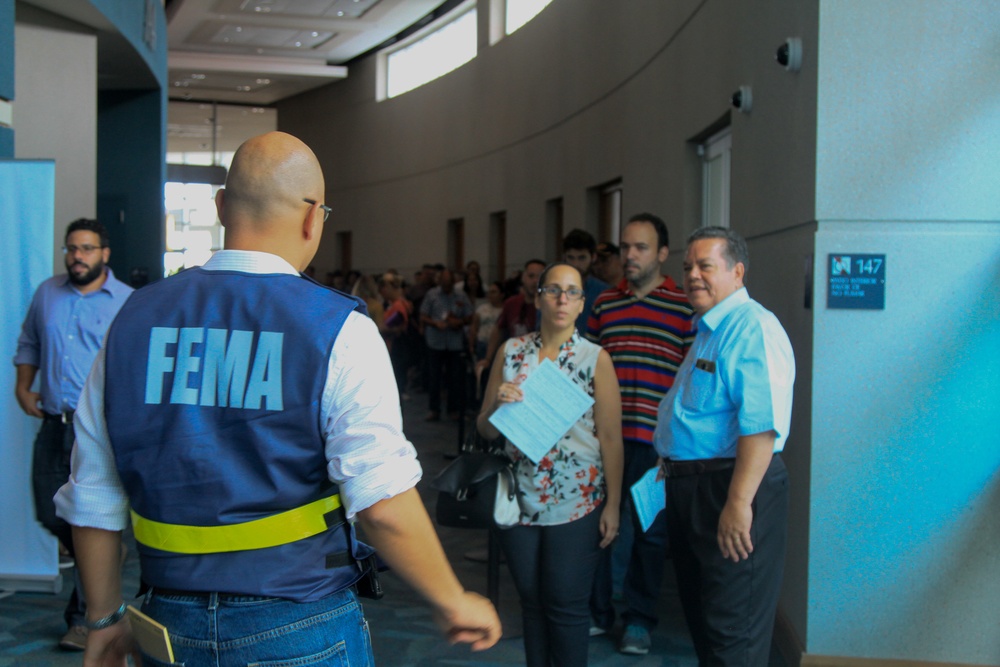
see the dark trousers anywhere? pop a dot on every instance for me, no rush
(449, 364)
(729, 606)
(49, 471)
(552, 568)
(648, 558)
(399, 357)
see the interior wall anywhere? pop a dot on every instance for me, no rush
(906, 454)
(586, 93)
(46, 130)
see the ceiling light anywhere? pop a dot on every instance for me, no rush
(298, 43)
(263, 81)
(340, 13)
(198, 77)
(239, 29)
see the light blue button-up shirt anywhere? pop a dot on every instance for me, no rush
(62, 333)
(736, 380)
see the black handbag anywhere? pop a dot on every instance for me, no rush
(467, 490)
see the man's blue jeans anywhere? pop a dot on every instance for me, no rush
(219, 629)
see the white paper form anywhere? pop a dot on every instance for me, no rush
(552, 404)
(649, 497)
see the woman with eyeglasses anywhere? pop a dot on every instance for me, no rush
(570, 499)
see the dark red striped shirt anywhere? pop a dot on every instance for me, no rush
(647, 339)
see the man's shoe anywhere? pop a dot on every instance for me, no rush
(75, 639)
(635, 641)
(596, 630)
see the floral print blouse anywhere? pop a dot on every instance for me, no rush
(568, 483)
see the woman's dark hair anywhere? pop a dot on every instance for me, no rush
(473, 293)
(545, 273)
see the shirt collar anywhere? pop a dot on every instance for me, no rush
(667, 283)
(719, 312)
(248, 261)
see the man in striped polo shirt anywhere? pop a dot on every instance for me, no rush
(644, 323)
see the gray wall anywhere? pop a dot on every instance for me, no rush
(833, 158)
(585, 93)
(905, 542)
(46, 130)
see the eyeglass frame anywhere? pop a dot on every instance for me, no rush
(554, 291)
(86, 249)
(326, 209)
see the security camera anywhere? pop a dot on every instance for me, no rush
(789, 54)
(743, 99)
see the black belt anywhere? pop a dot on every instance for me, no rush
(696, 467)
(204, 595)
(64, 417)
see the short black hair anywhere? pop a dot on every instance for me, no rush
(735, 251)
(579, 239)
(662, 236)
(606, 249)
(534, 261)
(88, 225)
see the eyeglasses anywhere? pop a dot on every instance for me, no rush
(326, 209)
(554, 291)
(84, 249)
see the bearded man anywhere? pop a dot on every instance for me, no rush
(61, 335)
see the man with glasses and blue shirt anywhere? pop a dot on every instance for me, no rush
(720, 430)
(249, 423)
(64, 328)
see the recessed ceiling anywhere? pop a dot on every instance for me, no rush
(262, 51)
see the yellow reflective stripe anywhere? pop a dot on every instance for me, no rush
(271, 531)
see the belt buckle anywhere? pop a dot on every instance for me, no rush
(66, 417)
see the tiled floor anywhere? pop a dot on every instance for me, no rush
(403, 632)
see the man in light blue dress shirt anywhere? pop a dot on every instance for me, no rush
(720, 430)
(64, 328)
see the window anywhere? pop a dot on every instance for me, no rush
(193, 231)
(520, 12)
(716, 154)
(430, 53)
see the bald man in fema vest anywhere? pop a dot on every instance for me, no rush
(244, 417)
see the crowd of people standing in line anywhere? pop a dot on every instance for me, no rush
(631, 329)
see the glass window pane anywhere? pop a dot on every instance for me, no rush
(520, 12)
(438, 53)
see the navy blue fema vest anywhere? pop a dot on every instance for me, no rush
(212, 399)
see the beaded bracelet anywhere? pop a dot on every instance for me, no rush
(107, 621)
